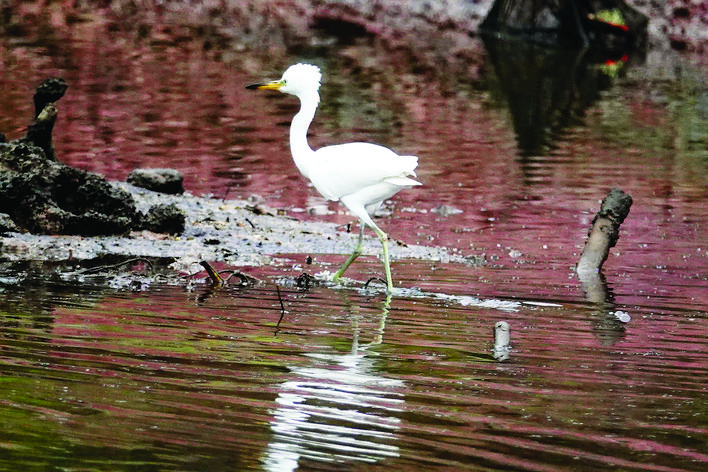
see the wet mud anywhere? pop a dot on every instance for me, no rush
(235, 232)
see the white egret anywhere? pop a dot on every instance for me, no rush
(359, 175)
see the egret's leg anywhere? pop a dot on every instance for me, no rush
(387, 265)
(357, 252)
(359, 210)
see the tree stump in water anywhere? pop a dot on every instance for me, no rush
(604, 232)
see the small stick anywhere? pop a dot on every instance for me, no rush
(105, 268)
(245, 279)
(213, 275)
(366, 285)
(282, 307)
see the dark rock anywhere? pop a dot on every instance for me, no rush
(682, 13)
(158, 180)
(40, 195)
(48, 197)
(164, 218)
(608, 26)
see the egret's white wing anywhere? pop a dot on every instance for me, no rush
(344, 169)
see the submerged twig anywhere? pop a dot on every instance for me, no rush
(366, 285)
(282, 308)
(105, 268)
(219, 281)
(246, 280)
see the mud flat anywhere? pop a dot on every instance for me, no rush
(235, 232)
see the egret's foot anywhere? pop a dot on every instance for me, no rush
(337, 277)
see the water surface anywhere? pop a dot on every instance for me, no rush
(182, 378)
(95, 375)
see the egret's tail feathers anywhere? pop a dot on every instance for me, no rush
(402, 181)
(412, 161)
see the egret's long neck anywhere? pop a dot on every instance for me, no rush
(298, 130)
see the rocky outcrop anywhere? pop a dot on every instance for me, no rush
(46, 197)
(40, 195)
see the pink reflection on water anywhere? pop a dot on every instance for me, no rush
(133, 103)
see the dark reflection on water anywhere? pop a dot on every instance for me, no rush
(549, 90)
(95, 375)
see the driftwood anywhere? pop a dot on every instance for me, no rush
(49, 91)
(39, 132)
(603, 235)
(604, 232)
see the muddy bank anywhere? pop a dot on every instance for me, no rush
(50, 211)
(235, 232)
(53, 212)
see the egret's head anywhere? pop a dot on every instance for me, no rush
(298, 80)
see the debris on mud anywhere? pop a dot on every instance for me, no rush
(159, 180)
(228, 231)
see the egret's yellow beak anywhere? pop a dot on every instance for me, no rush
(275, 85)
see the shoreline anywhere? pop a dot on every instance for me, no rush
(222, 231)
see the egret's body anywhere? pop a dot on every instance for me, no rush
(359, 175)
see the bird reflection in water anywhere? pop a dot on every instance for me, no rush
(338, 409)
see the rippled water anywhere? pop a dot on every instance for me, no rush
(183, 378)
(602, 375)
